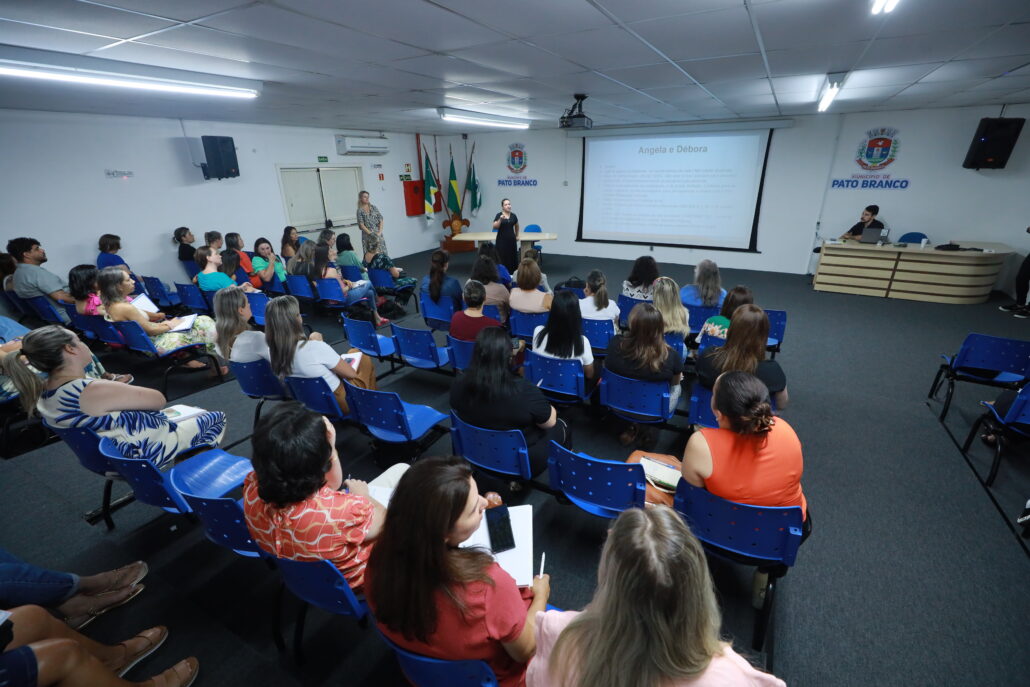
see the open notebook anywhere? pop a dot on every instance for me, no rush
(517, 562)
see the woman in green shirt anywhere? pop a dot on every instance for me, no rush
(346, 257)
(719, 325)
(266, 263)
(210, 277)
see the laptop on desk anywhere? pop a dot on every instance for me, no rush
(872, 235)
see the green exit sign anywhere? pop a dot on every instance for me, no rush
(323, 158)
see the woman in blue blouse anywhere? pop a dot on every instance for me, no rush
(109, 245)
(437, 285)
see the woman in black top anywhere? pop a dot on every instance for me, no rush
(744, 350)
(507, 225)
(184, 237)
(490, 396)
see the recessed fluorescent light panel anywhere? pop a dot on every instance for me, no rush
(143, 83)
(449, 114)
(884, 6)
(830, 89)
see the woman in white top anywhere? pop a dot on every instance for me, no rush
(640, 282)
(562, 336)
(653, 574)
(597, 305)
(292, 353)
(236, 341)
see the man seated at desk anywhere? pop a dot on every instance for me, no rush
(868, 221)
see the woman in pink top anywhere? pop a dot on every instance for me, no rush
(526, 297)
(653, 575)
(82, 285)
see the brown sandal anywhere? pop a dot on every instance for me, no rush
(133, 574)
(78, 622)
(182, 674)
(154, 638)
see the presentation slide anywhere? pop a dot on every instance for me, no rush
(676, 189)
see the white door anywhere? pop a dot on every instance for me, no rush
(302, 194)
(340, 187)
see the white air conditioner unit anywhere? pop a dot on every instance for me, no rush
(359, 145)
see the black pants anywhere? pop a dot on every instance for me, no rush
(538, 451)
(1023, 281)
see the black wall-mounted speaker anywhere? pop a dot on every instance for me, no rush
(993, 143)
(220, 152)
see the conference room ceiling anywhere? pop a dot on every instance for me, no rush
(388, 64)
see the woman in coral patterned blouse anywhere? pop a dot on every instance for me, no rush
(292, 502)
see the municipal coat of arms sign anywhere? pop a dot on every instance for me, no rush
(517, 158)
(878, 149)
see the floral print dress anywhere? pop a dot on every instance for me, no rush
(371, 219)
(145, 434)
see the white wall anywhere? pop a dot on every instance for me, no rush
(943, 200)
(53, 187)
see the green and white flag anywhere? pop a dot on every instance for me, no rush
(431, 188)
(453, 195)
(472, 186)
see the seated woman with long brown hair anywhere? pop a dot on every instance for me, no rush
(744, 351)
(432, 597)
(654, 575)
(292, 353)
(437, 285)
(323, 266)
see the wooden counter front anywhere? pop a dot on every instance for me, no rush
(912, 272)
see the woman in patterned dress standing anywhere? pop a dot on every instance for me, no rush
(370, 221)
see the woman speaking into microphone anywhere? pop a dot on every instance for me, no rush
(507, 225)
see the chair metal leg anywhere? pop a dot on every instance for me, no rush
(764, 616)
(216, 366)
(107, 507)
(998, 446)
(164, 381)
(947, 399)
(936, 381)
(972, 432)
(277, 620)
(257, 413)
(298, 634)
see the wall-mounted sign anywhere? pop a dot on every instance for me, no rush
(878, 149)
(407, 168)
(516, 161)
(405, 177)
(118, 174)
(323, 158)
(382, 177)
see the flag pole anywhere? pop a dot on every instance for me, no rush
(468, 170)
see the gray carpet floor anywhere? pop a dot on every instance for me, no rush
(913, 575)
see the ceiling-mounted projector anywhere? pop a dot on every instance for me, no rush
(574, 117)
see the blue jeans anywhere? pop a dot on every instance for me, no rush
(364, 291)
(22, 583)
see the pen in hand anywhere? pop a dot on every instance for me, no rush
(543, 558)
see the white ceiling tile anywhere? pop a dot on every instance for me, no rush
(517, 57)
(607, 48)
(796, 24)
(941, 88)
(922, 16)
(450, 69)
(662, 75)
(175, 59)
(390, 77)
(726, 68)
(807, 84)
(182, 10)
(888, 76)
(523, 18)
(693, 36)
(415, 23)
(1005, 83)
(77, 16)
(743, 88)
(822, 60)
(927, 47)
(590, 83)
(473, 95)
(796, 99)
(1007, 40)
(530, 88)
(969, 69)
(742, 103)
(45, 38)
(680, 95)
(867, 93)
(281, 26)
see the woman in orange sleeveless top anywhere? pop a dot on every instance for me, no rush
(753, 456)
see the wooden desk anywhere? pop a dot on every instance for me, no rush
(912, 273)
(525, 239)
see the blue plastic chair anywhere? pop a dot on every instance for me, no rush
(350, 272)
(192, 298)
(423, 671)
(390, 419)
(700, 412)
(697, 315)
(319, 584)
(599, 333)
(913, 237)
(461, 352)
(105, 331)
(18, 304)
(580, 294)
(275, 286)
(437, 315)
(535, 229)
(982, 359)
(81, 322)
(384, 282)
(300, 287)
(257, 381)
(626, 305)
(85, 444)
(258, 303)
(497, 451)
(45, 310)
(418, 348)
(1008, 430)
(157, 292)
(562, 380)
(676, 342)
(331, 295)
(315, 394)
(494, 312)
(634, 400)
(211, 473)
(241, 276)
(191, 267)
(137, 340)
(600, 487)
(708, 341)
(777, 329)
(362, 335)
(223, 520)
(767, 537)
(522, 324)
